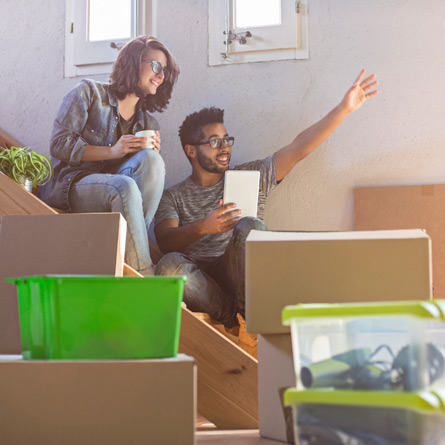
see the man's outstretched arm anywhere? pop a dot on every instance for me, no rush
(309, 139)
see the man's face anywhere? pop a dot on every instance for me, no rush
(214, 160)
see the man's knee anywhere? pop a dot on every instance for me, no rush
(245, 225)
(173, 263)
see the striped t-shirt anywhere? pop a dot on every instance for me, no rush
(188, 202)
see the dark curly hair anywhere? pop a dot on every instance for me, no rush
(124, 77)
(191, 129)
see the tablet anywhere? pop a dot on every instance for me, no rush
(241, 187)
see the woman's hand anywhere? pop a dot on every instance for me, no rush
(157, 142)
(127, 144)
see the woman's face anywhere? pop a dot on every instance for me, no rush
(149, 81)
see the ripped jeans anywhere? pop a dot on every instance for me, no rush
(134, 191)
(215, 286)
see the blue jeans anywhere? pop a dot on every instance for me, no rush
(134, 191)
(215, 286)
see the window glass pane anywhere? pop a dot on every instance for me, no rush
(109, 19)
(250, 13)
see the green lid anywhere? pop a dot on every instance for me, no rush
(422, 309)
(431, 402)
(441, 305)
(92, 278)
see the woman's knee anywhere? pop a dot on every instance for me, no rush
(125, 189)
(154, 158)
(152, 163)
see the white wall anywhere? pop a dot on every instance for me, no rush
(397, 138)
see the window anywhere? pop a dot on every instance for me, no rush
(257, 30)
(96, 29)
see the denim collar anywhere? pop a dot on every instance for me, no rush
(112, 99)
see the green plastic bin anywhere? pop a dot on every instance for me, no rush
(99, 317)
(323, 416)
(394, 345)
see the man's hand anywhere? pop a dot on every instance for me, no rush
(217, 221)
(308, 140)
(357, 94)
(174, 238)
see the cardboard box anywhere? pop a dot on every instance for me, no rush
(407, 207)
(284, 268)
(98, 402)
(82, 243)
(275, 374)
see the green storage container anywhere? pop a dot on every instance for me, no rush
(363, 417)
(395, 345)
(99, 317)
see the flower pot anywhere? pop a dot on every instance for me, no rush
(28, 185)
(25, 166)
(25, 183)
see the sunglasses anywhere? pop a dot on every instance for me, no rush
(217, 142)
(157, 68)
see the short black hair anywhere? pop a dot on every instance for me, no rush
(191, 129)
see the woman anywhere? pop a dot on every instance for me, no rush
(99, 165)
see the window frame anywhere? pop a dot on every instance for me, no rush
(257, 52)
(145, 25)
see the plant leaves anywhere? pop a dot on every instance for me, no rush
(22, 162)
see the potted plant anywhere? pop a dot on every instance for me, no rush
(27, 167)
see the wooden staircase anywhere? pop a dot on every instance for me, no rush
(227, 375)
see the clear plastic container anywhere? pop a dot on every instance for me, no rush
(394, 346)
(99, 317)
(323, 416)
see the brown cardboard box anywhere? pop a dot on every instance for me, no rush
(275, 374)
(84, 243)
(407, 207)
(98, 402)
(284, 268)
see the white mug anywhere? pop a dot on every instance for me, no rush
(147, 134)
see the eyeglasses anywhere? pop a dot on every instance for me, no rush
(157, 68)
(217, 142)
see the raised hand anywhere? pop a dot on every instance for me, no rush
(217, 221)
(356, 96)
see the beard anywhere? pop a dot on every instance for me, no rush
(209, 164)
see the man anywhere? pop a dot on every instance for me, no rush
(203, 238)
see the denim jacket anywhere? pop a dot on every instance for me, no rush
(88, 116)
